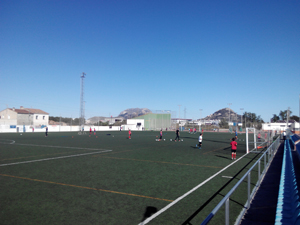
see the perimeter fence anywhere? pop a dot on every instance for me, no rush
(266, 159)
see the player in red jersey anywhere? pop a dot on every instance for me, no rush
(233, 144)
(129, 133)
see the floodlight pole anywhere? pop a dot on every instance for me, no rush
(81, 120)
(179, 116)
(200, 118)
(229, 110)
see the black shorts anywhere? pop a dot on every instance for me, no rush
(233, 151)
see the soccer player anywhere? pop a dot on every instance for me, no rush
(129, 133)
(94, 131)
(236, 134)
(46, 133)
(200, 141)
(177, 135)
(284, 135)
(195, 130)
(233, 148)
(160, 135)
(90, 131)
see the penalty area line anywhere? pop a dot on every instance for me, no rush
(53, 158)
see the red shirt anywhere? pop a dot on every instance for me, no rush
(233, 145)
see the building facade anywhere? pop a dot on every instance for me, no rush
(24, 116)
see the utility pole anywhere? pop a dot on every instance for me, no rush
(242, 109)
(179, 116)
(287, 117)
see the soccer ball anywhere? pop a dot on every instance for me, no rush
(20, 134)
(164, 139)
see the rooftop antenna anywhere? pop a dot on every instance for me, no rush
(81, 119)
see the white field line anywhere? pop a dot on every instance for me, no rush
(52, 146)
(186, 194)
(5, 141)
(60, 157)
(227, 177)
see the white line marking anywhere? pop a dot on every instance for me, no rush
(52, 146)
(186, 194)
(227, 177)
(5, 141)
(60, 157)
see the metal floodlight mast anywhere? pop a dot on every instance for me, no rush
(81, 119)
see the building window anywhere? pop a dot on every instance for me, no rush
(36, 117)
(43, 117)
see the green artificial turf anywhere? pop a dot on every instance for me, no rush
(109, 179)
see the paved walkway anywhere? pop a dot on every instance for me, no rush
(263, 207)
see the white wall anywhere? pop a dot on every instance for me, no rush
(132, 124)
(57, 128)
(274, 126)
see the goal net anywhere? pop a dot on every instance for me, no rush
(257, 139)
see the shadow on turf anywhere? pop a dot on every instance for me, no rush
(188, 221)
(150, 210)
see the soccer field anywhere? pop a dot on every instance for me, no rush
(67, 178)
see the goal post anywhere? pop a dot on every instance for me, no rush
(248, 132)
(257, 139)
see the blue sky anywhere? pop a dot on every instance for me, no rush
(150, 54)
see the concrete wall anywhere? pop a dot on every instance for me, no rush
(8, 117)
(25, 119)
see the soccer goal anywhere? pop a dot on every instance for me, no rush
(257, 139)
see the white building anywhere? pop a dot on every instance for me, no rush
(24, 116)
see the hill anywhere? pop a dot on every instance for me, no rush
(134, 112)
(224, 113)
(126, 114)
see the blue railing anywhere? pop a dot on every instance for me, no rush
(267, 158)
(288, 205)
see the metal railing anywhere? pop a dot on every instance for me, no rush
(267, 157)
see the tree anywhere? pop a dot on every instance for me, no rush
(252, 120)
(66, 120)
(275, 118)
(283, 115)
(223, 123)
(296, 118)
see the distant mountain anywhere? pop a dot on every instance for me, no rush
(134, 112)
(126, 114)
(224, 113)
